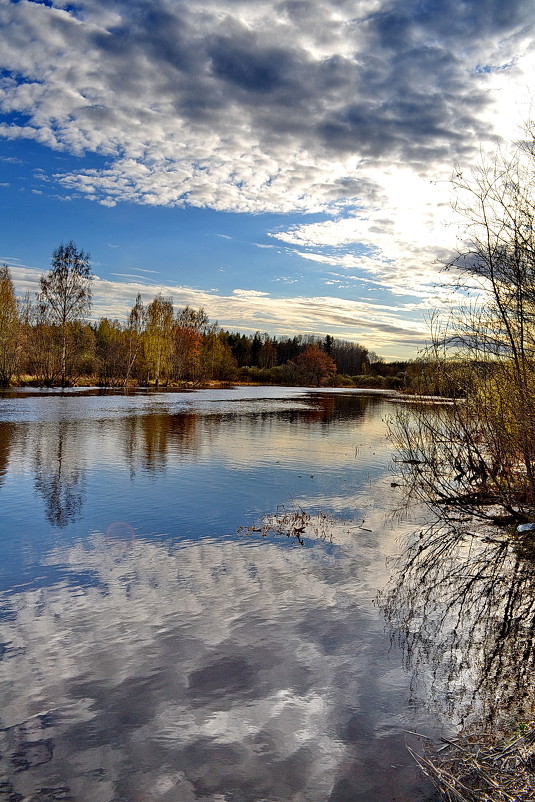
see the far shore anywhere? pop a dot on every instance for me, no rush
(87, 384)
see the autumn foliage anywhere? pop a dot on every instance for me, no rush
(48, 341)
(315, 367)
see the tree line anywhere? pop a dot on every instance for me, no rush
(47, 340)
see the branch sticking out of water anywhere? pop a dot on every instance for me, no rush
(296, 524)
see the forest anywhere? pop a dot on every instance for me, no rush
(47, 341)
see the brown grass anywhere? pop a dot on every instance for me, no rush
(483, 768)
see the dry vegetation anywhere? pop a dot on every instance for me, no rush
(474, 770)
(296, 524)
(464, 596)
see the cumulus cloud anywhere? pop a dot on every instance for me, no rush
(250, 107)
(355, 110)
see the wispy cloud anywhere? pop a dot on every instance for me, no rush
(381, 326)
(130, 275)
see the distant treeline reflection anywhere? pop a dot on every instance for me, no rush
(59, 453)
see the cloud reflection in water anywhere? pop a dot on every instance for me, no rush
(147, 661)
(233, 669)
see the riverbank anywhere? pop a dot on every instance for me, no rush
(374, 383)
(484, 768)
(90, 382)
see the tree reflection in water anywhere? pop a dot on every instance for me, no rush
(7, 434)
(463, 606)
(58, 475)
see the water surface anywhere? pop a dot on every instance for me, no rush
(155, 645)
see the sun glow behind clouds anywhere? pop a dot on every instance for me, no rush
(356, 111)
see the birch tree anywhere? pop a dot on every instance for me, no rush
(9, 327)
(66, 294)
(158, 337)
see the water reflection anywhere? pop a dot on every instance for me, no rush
(83, 434)
(201, 671)
(149, 652)
(7, 433)
(464, 605)
(149, 439)
(59, 477)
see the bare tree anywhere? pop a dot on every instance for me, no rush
(66, 293)
(477, 456)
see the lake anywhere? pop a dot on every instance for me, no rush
(188, 599)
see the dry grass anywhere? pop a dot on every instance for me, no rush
(295, 524)
(483, 769)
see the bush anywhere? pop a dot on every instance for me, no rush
(275, 375)
(369, 381)
(343, 381)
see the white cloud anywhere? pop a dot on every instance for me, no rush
(255, 108)
(249, 293)
(403, 239)
(385, 328)
(356, 110)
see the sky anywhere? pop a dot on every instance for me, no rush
(286, 165)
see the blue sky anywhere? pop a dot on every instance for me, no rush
(286, 165)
